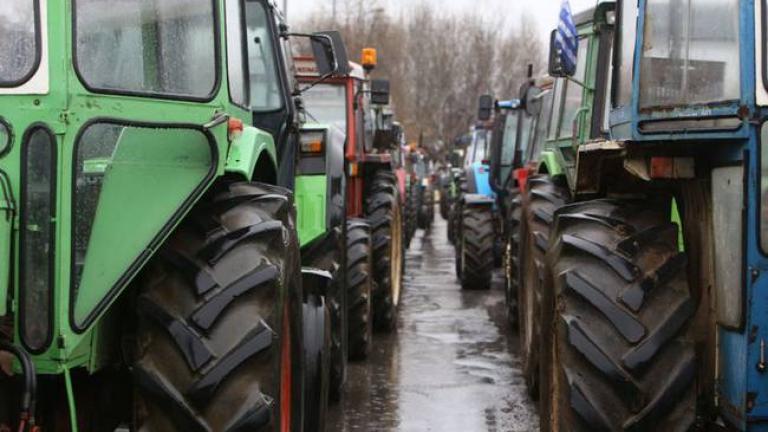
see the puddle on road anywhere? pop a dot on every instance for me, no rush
(452, 365)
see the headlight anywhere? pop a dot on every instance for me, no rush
(5, 137)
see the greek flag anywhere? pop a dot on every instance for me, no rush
(566, 40)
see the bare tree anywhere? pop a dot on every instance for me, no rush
(438, 64)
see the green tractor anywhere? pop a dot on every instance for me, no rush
(153, 273)
(576, 116)
(519, 135)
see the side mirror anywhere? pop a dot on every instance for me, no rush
(380, 92)
(485, 108)
(330, 53)
(562, 62)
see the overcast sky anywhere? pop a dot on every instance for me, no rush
(543, 12)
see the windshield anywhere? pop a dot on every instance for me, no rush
(19, 50)
(690, 53)
(147, 46)
(327, 103)
(478, 150)
(262, 62)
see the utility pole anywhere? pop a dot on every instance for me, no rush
(334, 11)
(285, 9)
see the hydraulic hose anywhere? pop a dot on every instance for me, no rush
(29, 396)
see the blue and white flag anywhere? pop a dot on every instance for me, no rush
(567, 40)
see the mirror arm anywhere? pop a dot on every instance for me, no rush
(580, 83)
(300, 91)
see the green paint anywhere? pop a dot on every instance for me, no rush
(246, 149)
(550, 163)
(70, 400)
(564, 149)
(310, 195)
(160, 178)
(144, 181)
(676, 219)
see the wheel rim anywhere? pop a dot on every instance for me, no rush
(395, 255)
(286, 374)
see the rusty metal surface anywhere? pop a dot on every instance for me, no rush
(451, 366)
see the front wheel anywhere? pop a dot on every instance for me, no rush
(622, 357)
(215, 309)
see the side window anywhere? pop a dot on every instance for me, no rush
(262, 62)
(147, 47)
(557, 100)
(236, 65)
(574, 93)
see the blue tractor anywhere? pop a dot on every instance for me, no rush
(476, 232)
(654, 301)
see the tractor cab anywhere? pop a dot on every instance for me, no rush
(476, 163)
(690, 87)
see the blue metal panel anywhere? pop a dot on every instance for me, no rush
(482, 180)
(731, 109)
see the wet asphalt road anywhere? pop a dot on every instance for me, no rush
(451, 366)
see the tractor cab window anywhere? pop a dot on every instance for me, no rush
(624, 53)
(690, 53)
(327, 103)
(539, 127)
(572, 101)
(266, 93)
(19, 40)
(525, 131)
(509, 143)
(150, 47)
(478, 150)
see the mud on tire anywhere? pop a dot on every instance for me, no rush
(512, 272)
(382, 208)
(213, 307)
(543, 197)
(359, 289)
(621, 356)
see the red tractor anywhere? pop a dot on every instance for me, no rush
(373, 194)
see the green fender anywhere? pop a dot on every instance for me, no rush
(246, 149)
(550, 164)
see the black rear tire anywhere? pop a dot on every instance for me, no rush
(543, 197)
(512, 273)
(621, 356)
(317, 359)
(359, 289)
(426, 214)
(410, 216)
(214, 307)
(336, 302)
(383, 211)
(476, 240)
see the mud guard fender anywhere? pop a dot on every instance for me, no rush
(549, 164)
(246, 150)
